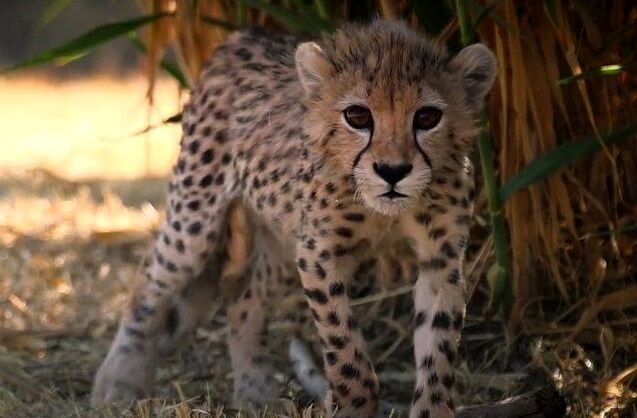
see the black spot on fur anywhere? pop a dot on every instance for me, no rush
(354, 217)
(457, 320)
(193, 205)
(338, 341)
(349, 371)
(441, 320)
(320, 270)
(447, 250)
(435, 263)
(445, 348)
(331, 358)
(333, 319)
(194, 228)
(206, 181)
(427, 362)
(423, 218)
(454, 277)
(448, 381)
(344, 232)
(193, 147)
(417, 394)
(302, 263)
(221, 137)
(316, 295)
(420, 319)
(207, 156)
(437, 233)
(337, 289)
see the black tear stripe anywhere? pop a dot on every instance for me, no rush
(422, 152)
(360, 154)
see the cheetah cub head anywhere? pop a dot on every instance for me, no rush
(391, 110)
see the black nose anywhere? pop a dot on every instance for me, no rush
(392, 174)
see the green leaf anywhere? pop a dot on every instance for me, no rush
(603, 71)
(464, 22)
(169, 66)
(86, 42)
(173, 69)
(561, 157)
(309, 24)
(321, 10)
(53, 9)
(176, 118)
(485, 11)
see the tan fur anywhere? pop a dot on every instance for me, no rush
(267, 150)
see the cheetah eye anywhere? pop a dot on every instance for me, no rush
(427, 118)
(358, 117)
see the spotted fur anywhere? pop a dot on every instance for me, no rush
(269, 142)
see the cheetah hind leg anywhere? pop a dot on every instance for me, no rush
(305, 369)
(194, 304)
(187, 310)
(252, 366)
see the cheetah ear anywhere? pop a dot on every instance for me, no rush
(311, 65)
(476, 63)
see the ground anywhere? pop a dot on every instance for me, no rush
(70, 246)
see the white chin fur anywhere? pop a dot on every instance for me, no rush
(386, 206)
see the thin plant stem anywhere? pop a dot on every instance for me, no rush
(501, 290)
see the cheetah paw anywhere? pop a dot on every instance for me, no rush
(123, 377)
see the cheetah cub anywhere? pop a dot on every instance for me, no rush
(337, 151)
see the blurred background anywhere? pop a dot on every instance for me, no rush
(90, 102)
(27, 27)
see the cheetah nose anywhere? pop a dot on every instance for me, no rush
(392, 174)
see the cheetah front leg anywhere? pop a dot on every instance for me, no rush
(325, 260)
(439, 303)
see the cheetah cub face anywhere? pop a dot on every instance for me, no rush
(391, 110)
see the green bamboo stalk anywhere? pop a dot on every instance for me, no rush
(501, 290)
(240, 14)
(321, 9)
(466, 32)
